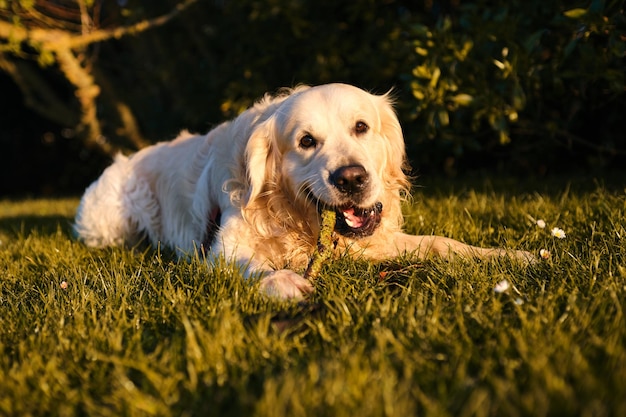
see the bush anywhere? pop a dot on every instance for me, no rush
(529, 84)
(530, 78)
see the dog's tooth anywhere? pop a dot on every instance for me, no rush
(346, 217)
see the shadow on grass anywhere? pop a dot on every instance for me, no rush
(45, 225)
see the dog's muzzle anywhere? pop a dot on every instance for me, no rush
(353, 221)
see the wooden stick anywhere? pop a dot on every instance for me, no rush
(325, 245)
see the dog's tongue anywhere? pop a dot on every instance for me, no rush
(352, 219)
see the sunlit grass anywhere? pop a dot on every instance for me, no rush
(140, 333)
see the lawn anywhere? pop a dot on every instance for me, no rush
(116, 332)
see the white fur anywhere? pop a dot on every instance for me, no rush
(266, 185)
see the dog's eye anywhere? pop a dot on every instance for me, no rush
(307, 142)
(360, 127)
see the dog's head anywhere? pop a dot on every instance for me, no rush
(332, 146)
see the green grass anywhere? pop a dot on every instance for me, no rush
(140, 333)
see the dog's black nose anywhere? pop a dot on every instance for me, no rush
(350, 179)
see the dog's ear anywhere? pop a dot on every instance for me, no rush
(261, 160)
(395, 147)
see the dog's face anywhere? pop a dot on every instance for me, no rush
(336, 146)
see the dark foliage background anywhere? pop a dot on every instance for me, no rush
(527, 87)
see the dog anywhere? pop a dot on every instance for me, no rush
(252, 189)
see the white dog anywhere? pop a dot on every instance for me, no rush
(253, 188)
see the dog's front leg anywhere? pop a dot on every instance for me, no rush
(235, 241)
(444, 247)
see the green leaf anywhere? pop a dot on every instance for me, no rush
(463, 99)
(421, 51)
(519, 97)
(435, 77)
(569, 48)
(444, 117)
(575, 13)
(596, 6)
(422, 71)
(504, 137)
(45, 58)
(533, 40)
(417, 90)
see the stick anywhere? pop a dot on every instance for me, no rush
(325, 245)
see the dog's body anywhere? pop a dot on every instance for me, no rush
(252, 189)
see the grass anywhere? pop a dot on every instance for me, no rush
(140, 333)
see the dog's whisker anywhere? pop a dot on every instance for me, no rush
(304, 191)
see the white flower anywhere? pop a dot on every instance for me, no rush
(502, 286)
(558, 233)
(544, 253)
(541, 224)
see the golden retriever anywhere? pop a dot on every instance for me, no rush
(252, 189)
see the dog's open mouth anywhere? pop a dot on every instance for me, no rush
(356, 222)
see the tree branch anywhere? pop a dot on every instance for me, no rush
(62, 44)
(129, 127)
(56, 39)
(86, 93)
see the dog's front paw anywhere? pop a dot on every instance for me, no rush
(285, 284)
